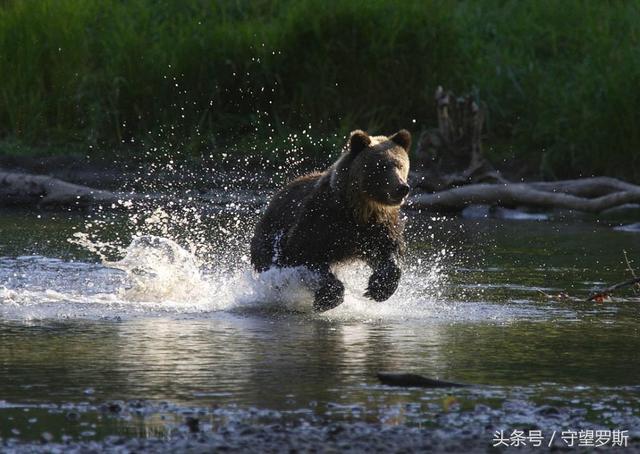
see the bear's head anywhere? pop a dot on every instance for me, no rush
(373, 172)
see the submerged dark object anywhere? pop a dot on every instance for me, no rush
(193, 424)
(414, 380)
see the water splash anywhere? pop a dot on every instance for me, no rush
(159, 269)
(157, 275)
(183, 247)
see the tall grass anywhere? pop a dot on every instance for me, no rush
(560, 78)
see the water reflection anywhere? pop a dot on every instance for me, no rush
(280, 362)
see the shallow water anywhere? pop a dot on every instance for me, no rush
(200, 332)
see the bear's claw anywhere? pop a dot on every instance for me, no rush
(379, 294)
(383, 283)
(330, 295)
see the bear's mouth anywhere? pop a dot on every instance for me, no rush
(394, 201)
(386, 199)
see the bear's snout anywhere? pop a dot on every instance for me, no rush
(396, 195)
(403, 190)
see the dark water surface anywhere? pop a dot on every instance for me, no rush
(472, 308)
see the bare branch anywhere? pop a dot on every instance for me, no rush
(629, 267)
(610, 289)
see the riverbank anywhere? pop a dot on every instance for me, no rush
(481, 428)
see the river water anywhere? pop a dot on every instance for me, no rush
(100, 336)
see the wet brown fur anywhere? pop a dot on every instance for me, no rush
(349, 211)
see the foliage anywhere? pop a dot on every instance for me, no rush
(560, 78)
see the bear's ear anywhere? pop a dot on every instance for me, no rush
(402, 138)
(358, 141)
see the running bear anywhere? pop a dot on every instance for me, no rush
(349, 211)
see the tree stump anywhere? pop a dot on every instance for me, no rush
(451, 154)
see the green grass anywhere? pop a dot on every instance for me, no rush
(560, 78)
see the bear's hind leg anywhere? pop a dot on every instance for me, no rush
(330, 294)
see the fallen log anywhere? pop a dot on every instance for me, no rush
(452, 154)
(25, 189)
(586, 187)
(569, 194)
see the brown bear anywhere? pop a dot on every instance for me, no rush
(349, 211)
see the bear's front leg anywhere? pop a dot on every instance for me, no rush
(384, 281)
(330, 293)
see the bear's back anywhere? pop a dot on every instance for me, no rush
(280, 216)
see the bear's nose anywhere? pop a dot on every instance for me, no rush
(403, 190)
